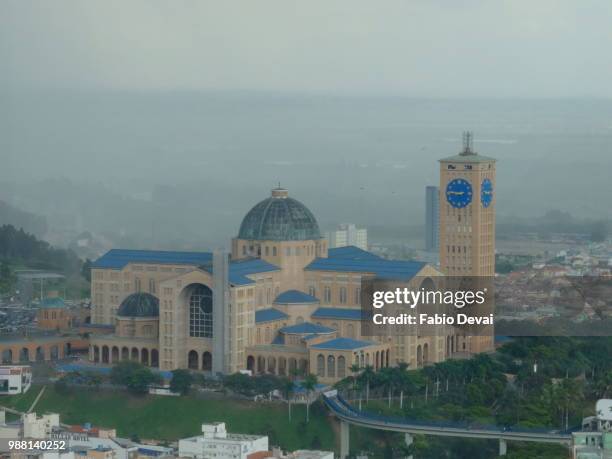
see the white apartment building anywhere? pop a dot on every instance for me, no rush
(216, 443)
(39, 428)
(15, 379)
(348, 234)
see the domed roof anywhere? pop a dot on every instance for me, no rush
(139, 305)
(279, 218)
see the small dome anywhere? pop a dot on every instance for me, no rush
(139, 305)
(53, 303)
(279, 218)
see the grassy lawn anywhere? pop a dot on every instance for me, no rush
(171, 418)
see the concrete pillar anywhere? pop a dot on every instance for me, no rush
(408, 439)
(503, 447)
(344, 439)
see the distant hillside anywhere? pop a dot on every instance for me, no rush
(20, 247)
(30, 223)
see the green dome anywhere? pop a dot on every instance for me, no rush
(139, 305)
(279, 218)
(53, 303)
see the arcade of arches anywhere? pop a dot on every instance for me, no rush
(109, 354)
(35, 351)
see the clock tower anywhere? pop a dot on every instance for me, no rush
(467, 223)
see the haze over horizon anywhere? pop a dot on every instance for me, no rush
(142, 105)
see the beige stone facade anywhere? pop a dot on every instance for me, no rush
(467, 234)
(293, 305)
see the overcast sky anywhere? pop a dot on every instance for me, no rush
(457, 48)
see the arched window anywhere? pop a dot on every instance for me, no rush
(341, 367)
(342, 295)
(312, 291)
(274, 251)
(200, 312)
(358, 295)
(327, 295)
(320, 366)
(350, 331)
(331, 366)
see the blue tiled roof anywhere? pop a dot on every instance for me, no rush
(269, 315)
(238, 270)
(306, 328)
(295, 296)
(280, 339)
(337, 313)
(352, 252)
(342, 344)
(352, 259)
(118, 258)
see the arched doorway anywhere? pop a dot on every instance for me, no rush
(144, 356)
(40, 354)
(135, 354)
(250, 363)
(419, 356)
(105, 354)
(261, 364)
(96, 353)
(115, 354)
(7, 356)
(320, 366)
(125, 353)
(24, 355)
(192, 360)
(207, 361)
(425, 353)
(272, 365)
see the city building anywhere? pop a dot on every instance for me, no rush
(283, 301)
(39, 427)
(347, 234)
(15, 379)
(216, 442)
(594, 441)
(53, 314)
(432, 218)
(467, 225)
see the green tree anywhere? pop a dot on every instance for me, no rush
(140, 380)
(309, 384)
(181, 381)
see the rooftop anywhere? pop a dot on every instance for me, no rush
(269, 315)
(352, 259)
(337, 313)
(119, 258)
(343, 344)
(295, 297)
(305, 328)
(279, 218)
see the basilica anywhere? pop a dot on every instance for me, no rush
(283, 302)
(287, 304)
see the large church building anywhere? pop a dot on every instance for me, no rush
(281, 303)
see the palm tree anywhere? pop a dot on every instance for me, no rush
(366, 375)
(309, 384)
(288, 388)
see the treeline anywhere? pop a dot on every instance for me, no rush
(31, 223)
(19, 247)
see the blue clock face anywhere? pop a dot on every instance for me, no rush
(459, 193)
(486, 192)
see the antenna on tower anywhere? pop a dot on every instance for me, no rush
(468, 143)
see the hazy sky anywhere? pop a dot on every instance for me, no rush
(457, 48)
